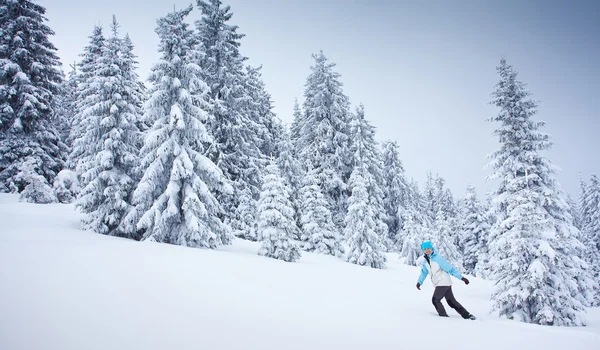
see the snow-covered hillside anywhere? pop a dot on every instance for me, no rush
(63, 288)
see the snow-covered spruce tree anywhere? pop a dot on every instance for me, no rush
(415, 224)
(244, 224)
(429, 197)
(30, 78)
(575, 213)
(86, 95)
(292, 175)
(66, 106)
(109, 143)
(175, 199)
(276, 226)
(444, 240)
(137, 92)
(414, 233)
(590, 214)
(296, 127)
(324, 134)
(395, 188)
(361, 230)
(475, 228)
(482, 269)
(532, 246)
(590, 209)
(366, 154)
(319, 233)
(258, 106)
(236, 148)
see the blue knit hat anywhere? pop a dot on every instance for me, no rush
(426, 244)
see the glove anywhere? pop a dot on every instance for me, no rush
(464, 279)
(418, 286)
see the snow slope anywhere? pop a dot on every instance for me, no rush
(63, 288)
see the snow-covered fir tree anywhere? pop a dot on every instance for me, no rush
(30, 76)
(276, 226)
(590, 222)
(175, 199)
(244, 224)
(137, 92)
(429, 197)
(590, 213)
(259, 108)
(361, 230)
(366, 155)
(296, 127)
(236, 148)
(475, 229)
(324, 134)
(319, 233)
(532, 243)
(483, 268)
(86, 97)
(415, 225)
(66, 106)
(292, 174)
(574, 212)
(395, 188)
(108, 143)
(444, 240)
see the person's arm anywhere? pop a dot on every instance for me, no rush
(424, 273)
(445, 265)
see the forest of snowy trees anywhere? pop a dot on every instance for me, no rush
(196, 157)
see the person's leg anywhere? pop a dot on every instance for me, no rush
(455, 304)
(438, 294)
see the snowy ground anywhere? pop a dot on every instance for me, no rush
(62, 288)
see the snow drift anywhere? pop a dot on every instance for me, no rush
(63, 288)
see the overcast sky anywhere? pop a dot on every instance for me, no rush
(423, 70)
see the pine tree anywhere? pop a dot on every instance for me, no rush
(292, 175)
(244, 224)
(175, 200)
(532, 246)
(361, 231)
(483, 268)
(276, 224)
(259, 109)
(319, 233)
(296, 128)
(395, 188)
(590, 222)
(444, 240)
(136, 93)
(415, 225)
(236, 149)
(429, 197)
(30, 146)
(414, 233)
(86, 97)
(574, 212)
(109, 143)
(590, 208)
(324, 134)
(366, 155)
(66, 106)
(474, 231)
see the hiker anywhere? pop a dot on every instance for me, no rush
(440, 271)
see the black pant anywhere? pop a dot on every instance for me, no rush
(446, 292)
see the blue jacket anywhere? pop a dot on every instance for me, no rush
(440, 270)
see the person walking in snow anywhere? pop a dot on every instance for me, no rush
(440, 271)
